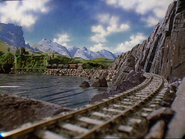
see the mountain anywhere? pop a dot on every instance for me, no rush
(163, 52)
(12, 35)
(72, 50)
(47, 45)
(106, 54)
(87, 54)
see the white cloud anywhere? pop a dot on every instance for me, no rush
(143, 7)
(108, 25)
(62, 39)
(128, 45)
(24, 13)
(151, 21)
(98, 47)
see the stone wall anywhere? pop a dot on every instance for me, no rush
(90, 73)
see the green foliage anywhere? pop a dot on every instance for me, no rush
(6, 58)
(23, 51)
(1, 53)
(30, 61)
(98, 63)
(17, 52)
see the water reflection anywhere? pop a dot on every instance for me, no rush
(61, 90)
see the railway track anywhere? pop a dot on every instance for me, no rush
(121, 116)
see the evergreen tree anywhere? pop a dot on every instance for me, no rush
(23, 51)
(17, 51)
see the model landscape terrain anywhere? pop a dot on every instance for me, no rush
(162, 54)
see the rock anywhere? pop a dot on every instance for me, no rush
(174, 84)
(163, 113)
(163, 52)
(157, 131)
(12, 35)
(24, 110)
(99, 97)
(133, 79)
(177, 124)
(136, 78)
(100, 83)
(85, 84)
(168, 99)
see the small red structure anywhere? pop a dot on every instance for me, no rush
(73, 66)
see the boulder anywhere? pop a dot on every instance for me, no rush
(85, 84)
(127, 82)
(100, 83)
(157, 131)
(99, 97)
(163, 113)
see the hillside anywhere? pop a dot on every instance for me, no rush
(163, 52)
(4, 47)
(98, 63)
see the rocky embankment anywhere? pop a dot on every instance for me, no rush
(163, 52)
(109, 75)
(16, 111)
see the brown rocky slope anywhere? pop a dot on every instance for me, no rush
(163, 52)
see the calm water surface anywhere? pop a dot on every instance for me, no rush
(61, 90)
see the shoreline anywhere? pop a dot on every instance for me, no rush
(25, 110)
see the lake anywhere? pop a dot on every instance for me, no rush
(60, 90)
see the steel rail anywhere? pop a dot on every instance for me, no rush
(47, 122)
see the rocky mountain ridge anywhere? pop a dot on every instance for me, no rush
(47, 45)
(163, 52)
(12, 35)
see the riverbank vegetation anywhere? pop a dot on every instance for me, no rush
(98, 63)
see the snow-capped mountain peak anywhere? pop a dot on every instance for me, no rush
(47, 45)
(84, 49)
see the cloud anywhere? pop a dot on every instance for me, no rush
(151, 21)
(98, 47)
(62, 39)
(128, 45)
(24, 13)
(108, 25)
(154, 8)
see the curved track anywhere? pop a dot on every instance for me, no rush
(121, 116)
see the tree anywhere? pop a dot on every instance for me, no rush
(8, 49)
(23, 50)
(17, 51)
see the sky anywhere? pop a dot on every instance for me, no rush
(114, 25)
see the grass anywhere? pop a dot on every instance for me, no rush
(4, 47)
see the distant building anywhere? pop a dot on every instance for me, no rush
(73, 66)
